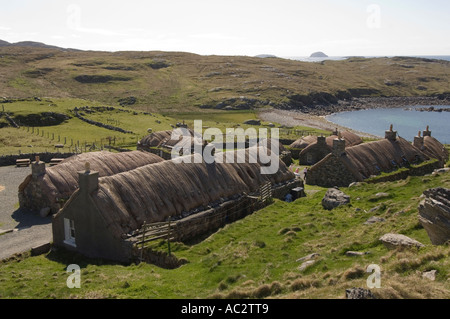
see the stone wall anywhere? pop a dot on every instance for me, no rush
(419, 170)
(330, 172)
(46, 157)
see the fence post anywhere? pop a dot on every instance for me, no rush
(144, 228)
(168, 238)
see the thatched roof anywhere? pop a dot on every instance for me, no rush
(304, 142)
(351, 139)
(155, 192)
(381, 156)
(434, 149)
(61, 180)
(181, 137)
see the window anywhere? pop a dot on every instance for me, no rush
(309, 158)
(69, 232)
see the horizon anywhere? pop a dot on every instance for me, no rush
(285, 29)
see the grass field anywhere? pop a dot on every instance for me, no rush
(256, 257)
(77, 132)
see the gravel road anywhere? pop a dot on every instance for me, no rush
(31, 229)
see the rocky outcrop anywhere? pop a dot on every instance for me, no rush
(334, 198)
(318, 54)
(393, 241)
(434, 214)
(358, 293)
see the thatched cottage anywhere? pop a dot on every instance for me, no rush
(346, 165)
(47, 188)
(102, 216)
(317, 150)
(163, 142)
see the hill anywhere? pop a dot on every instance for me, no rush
(176, 81)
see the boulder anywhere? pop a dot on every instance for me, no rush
(334, 198)
(431, 275)
(392, 241)
(374, 219)
(358, 293)
(434, 214)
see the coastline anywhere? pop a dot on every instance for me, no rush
(316, 117)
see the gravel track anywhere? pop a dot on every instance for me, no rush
(31, 229)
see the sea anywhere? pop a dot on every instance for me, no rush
(407, 121)
(337, 58)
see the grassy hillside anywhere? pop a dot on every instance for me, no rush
(256, 257)
(180, 82)
(41, 130)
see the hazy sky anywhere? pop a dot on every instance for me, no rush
(234, 27)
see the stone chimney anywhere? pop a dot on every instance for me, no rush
(391, 134)
(37, 167)
(338, 146)
(418, 141)
(87, 179)
(335, 132)
(321, 140)
(427, 132)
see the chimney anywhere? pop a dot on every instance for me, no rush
(335, 132)
(87, 179)
(321, 140)
(338, 146)
(427, 132)
(37, 167)
(418, 141)
(391, 134)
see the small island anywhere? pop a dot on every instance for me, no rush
(318, 54)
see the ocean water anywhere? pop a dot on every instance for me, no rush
(406, 121)
(336, 58)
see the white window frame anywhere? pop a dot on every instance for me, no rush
(69, 232)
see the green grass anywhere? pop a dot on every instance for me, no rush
(74, 130)
(256, 256)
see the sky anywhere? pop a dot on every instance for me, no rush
(284, 28)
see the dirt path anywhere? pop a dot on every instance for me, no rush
(31, 229)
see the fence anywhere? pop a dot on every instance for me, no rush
(77, 146)
(197, 224)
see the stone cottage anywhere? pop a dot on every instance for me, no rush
(346, 165)
(101, 218)
(314, 152)
(47, 188)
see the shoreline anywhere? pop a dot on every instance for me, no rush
(316, 118)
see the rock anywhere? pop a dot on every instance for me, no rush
(351, 253)
(442, 170)
(334, 198)
(253, 122)
(434, 214)
(358, 293)
(373, 220)
(318, 54)
(379, 196)
(431, 275)
(392, 241)
(44, 212)
(306, 264)
(308, 257)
